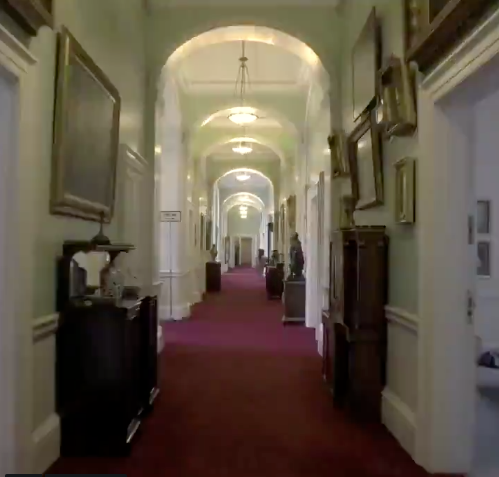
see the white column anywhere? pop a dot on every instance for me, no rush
(174, 264)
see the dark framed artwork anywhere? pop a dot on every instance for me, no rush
(227, 249)
(209, 225)
(483, 268)
(366, 61)
(30, 14)
(434, 27)
(483, 215)
(337, 150)
(86, 136)
(366, 168)
(201, 230)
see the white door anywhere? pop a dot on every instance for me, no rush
(132, 214)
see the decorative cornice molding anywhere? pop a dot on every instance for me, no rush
(402, 318)
(13, 51)
(475, 51)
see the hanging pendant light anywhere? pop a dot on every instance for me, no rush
(242, 114)
(243, 177)
(243, 148)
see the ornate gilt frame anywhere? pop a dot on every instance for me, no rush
(63, 202)
(405, 190)
(367, 125)
(339, 159)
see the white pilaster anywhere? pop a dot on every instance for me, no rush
(175, 299)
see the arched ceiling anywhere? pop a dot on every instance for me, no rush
(279, 83)
(243, 198)
(256, 179)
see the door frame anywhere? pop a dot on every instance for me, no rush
(446, 398)
(313, 304)
(254, 247)
(17, 221)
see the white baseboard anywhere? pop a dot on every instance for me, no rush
(46, 444)
(178, 312)
(399, 419)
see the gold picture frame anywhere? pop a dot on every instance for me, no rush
(366, 164)
(398, 116)
(86, 136)
(405, 181)
(291, 213)
(339, 160)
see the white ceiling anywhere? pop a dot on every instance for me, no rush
(241, 3)
(262, 122)
(214, 69)
(225, 153)
(255, 181)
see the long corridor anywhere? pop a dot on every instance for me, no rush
(242, 396)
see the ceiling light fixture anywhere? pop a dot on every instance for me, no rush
(243, 177)
(243, 208)
(242, 149)
(242, 115)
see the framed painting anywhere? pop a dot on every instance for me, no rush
(291, 213)
(227, 249)
(86, 136)
(30, 14)
(366, 168)
(483, 214)
(405, 190)
(201, 230)
(337, 150)
(483, 268)
(366, 61)
(209, 225)
(434, 27)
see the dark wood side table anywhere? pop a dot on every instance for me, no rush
(213, 276)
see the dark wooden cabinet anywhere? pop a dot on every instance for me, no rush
(274, 281)
(213, 276)
(106, 360)
(354, 340)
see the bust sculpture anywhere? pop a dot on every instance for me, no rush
(213, 253)
(296, 258)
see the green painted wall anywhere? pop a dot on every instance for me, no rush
(112, 33)
(403, 265)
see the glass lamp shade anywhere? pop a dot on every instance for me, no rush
(242, 117)
(243, 177)
(242, 149)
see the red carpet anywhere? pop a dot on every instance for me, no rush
(243, 396)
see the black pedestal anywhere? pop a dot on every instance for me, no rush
(213, 276)
(294, 302)
(274, 282)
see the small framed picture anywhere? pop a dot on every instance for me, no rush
(405, 190)
(338, 151)
(483, 268)
(483, 225)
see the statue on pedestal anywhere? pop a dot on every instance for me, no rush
(296, 259)
(213, 253)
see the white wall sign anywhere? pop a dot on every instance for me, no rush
(170, 216)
